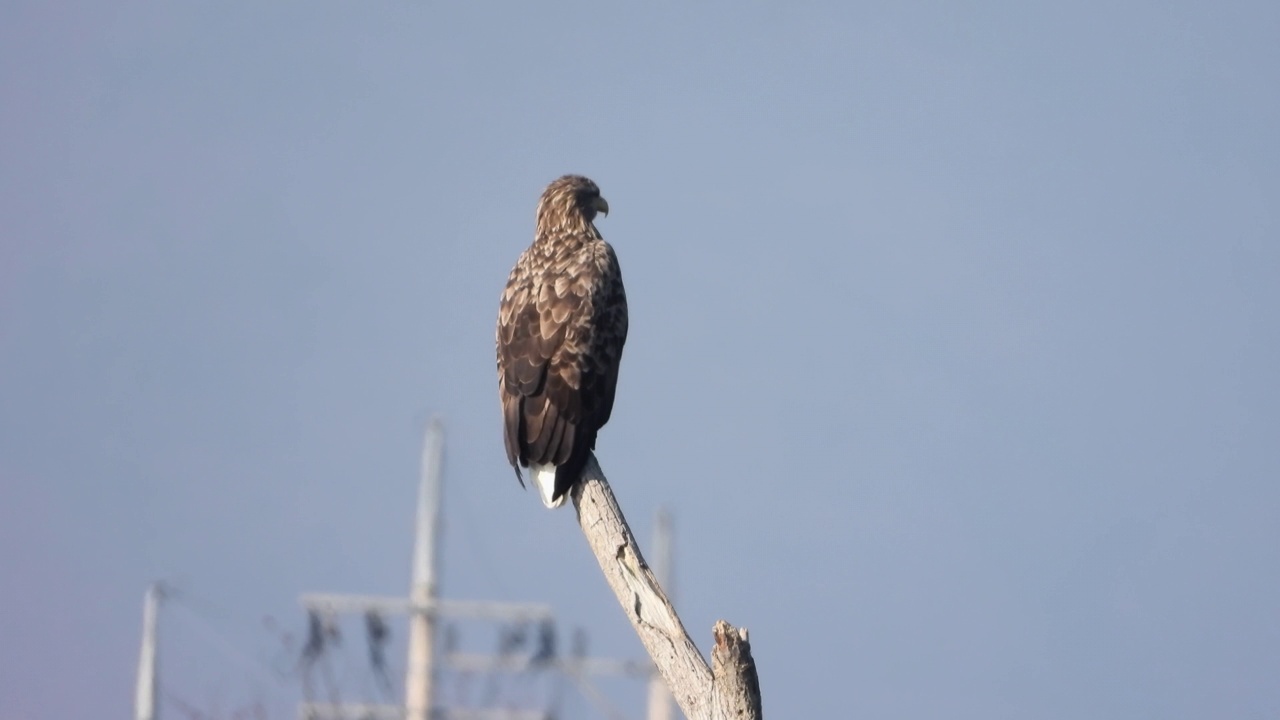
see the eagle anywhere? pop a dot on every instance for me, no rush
(562, 323)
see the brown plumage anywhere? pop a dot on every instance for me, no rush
(561, 327)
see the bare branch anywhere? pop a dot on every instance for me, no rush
(736, 686)
(655, 620)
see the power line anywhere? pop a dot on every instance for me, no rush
(426, 609)
(255, 666)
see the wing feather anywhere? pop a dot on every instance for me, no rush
(511, 419)
(562, 325)
(565, 448)
(551, 452)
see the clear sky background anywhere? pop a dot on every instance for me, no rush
(954, 341)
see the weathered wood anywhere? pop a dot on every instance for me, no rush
(735, 685)
(655, 620)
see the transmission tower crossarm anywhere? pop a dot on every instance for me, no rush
(468, 662)
(337, 604)
(346, 711)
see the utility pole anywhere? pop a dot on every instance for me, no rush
(422, 593)
(659, 697)
(144, 701)
(425, 608)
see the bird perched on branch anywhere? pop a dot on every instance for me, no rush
(561, 327)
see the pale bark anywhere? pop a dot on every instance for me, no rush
(735, 688)
(733, 692)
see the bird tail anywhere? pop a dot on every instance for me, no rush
(544, 478)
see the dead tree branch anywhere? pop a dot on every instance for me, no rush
(730, 690)
(735, 692)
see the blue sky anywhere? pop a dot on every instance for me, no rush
(953, 335)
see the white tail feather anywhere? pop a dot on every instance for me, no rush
(544, 476)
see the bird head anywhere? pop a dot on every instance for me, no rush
(572, 200)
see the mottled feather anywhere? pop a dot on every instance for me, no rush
(562, 325)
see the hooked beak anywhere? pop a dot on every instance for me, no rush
(602, 206)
